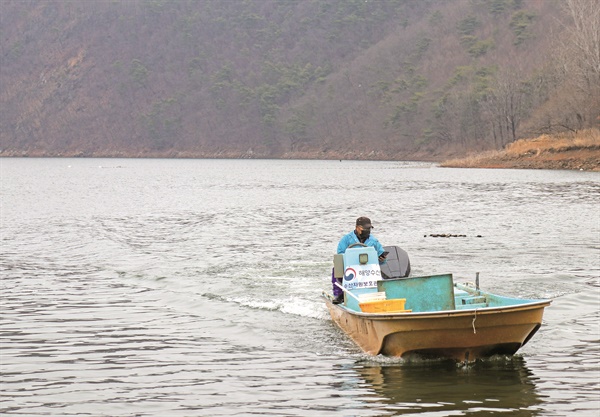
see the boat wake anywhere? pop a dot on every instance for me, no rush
(290, 305)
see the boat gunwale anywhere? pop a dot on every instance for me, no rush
(445, 313)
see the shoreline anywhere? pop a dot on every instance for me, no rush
(578, 151)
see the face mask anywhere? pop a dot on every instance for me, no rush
(365, 234)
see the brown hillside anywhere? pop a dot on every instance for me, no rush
(390, 79)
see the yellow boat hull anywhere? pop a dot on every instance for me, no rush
(463, 335)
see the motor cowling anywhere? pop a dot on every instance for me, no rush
(397, 263)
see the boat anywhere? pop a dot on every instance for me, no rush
(387, 312)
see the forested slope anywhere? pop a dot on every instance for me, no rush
(392, 79)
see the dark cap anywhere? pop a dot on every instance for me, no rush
(364, 221)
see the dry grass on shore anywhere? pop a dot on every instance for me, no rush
(588, 138)
(571, 150)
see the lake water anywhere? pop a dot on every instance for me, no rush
(192, 287)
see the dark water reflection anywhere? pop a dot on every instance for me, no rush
(492, 386)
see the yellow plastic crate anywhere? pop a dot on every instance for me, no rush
(384, 306)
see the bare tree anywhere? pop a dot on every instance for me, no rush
(505, 105)
(579, 62)
(582, 42)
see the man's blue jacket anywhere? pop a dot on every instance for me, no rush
(351, 238)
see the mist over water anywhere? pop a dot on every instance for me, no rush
(192, 287)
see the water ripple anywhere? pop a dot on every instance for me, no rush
(186, 288)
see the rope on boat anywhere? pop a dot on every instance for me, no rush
(473, 323)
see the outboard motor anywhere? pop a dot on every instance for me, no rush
(397, 264)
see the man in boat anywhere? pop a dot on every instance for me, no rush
(361, 234)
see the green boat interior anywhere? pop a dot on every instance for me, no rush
(422, 294)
